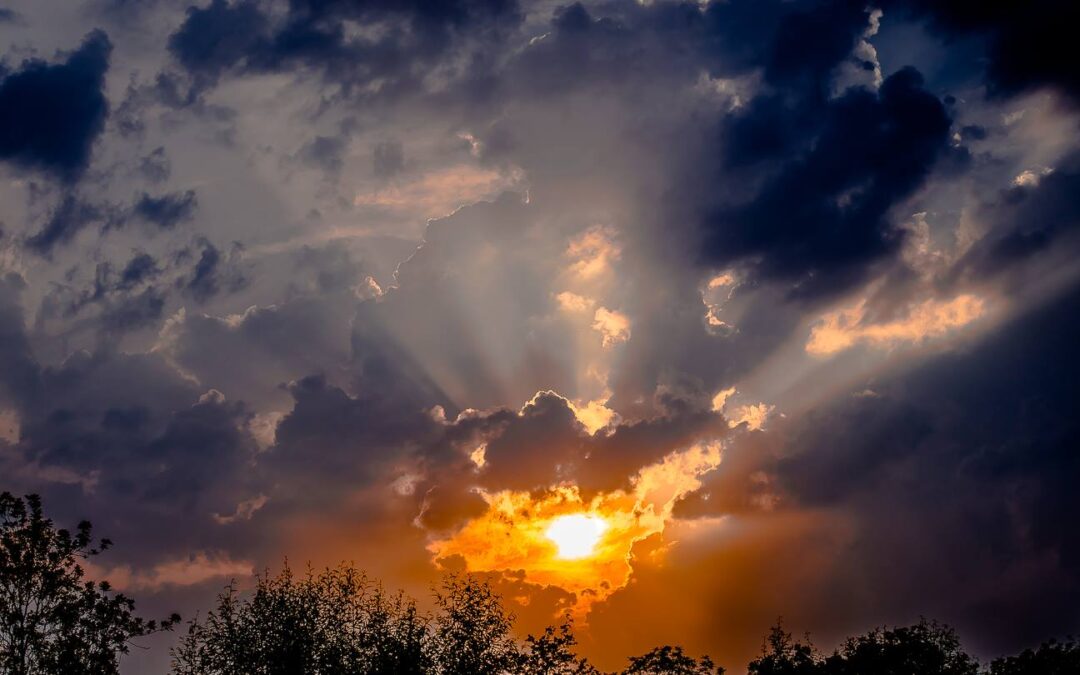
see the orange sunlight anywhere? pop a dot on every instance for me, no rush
(581, 545)
(576, 535)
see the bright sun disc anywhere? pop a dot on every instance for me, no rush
(575, 536)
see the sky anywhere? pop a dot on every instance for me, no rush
(678, 317)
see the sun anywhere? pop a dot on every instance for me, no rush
(576, 536)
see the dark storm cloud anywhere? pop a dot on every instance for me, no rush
(252, 356)
(18, 374)
(544, 444)
(1025, 221)
(75, 213)
(530, 448)
(823, 217)
(156, 167)
(125, 434)
(1029, 46)
(239, 36)
(71, 216)
(387, 158)
(139, 269)
(118, 434)
(212, 272)
(958, 475)
(125, 298)
(140, 310)
(218, 37)
(167, 210)
(612, 456)
(795, 44)
(991, 439)
(355, 438)
(51, 114)
(325, 152)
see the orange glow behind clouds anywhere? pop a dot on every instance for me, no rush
(522, 531)
(844, 328)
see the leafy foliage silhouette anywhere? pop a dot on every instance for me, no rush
(926, 647)
(52, 619)
(1049, 658)
(552, 653)
(670, 661)
(781, 655)
(337, 621)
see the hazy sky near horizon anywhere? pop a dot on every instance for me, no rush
(785, 294)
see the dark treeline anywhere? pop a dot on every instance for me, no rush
(338, 621)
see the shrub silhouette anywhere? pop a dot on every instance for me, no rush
(52, 619)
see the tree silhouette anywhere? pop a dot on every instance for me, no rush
(781, 655)
(927, 648)
(552, 653)
(668, 660)
(52, 619)
(336, 621)
(472, 630)
(1050, 658)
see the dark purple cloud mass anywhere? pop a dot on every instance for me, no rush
(791, 285)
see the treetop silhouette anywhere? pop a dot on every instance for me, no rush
(52, 619)
(339, 621)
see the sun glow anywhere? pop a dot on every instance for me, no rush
(576, 541)
(576, 535)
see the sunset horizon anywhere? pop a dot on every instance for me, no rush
(675, 320)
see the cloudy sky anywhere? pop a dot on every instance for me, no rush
(779, 299)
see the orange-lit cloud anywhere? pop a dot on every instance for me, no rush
(593, 415)
(613, 326)
(9, 426)
(721, 280)
(844, 328)
(244, 510)
(479, 456)
(512, 534)
(593, 252)
(187, 571)
(720, 400)
(572, 302)
(440, 192)
(754, 416)
(716, 292)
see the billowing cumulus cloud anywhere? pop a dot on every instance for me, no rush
(782, 294)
